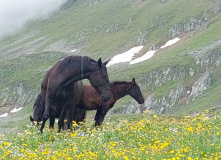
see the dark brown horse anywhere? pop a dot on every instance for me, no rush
(92, 101)
(58, 87)
(54, 111)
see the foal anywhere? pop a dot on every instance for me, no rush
(91, 100)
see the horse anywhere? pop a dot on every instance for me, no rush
(54, 111)
(58, 87)
(91, 101)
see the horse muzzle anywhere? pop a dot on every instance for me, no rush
(105, 98)
(141, 101)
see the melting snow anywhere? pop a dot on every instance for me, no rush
(125, 57)
(170, 42)
(15, 110)
(148, 55)
(73, 50)
(128, 55)
(4, 115)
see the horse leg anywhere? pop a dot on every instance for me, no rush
(101, 112)
(83, 115)
(97, 113)
(47, 107)
(70, 118)
(63, 115)
(46, 112)
(61, 119)
(52, 120)
(79, 115)
(53, 112)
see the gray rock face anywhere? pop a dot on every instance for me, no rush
(17, 96)
(202, 84)
(216, 9)
(206, 58)
(191, 24)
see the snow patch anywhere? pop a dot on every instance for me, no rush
(73, 50)
(146, 56)
(170, 42)
(4, 115)
(16, 110)
(125, 57)
(128, 55)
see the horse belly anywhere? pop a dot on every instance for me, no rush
(91, 105)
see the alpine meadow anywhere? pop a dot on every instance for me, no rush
(169, 49)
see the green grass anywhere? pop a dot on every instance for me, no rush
(140, 136)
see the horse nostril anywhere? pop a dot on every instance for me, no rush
(105, 98)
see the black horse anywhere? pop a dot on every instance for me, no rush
(58, 87)
(91, 100)
(55, 111)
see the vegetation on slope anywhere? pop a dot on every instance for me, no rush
(107, 28)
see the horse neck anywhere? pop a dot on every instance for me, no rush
(120, 90)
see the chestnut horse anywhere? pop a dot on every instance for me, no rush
(58, 89)
(91, 100)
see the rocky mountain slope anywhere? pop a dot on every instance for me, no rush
(183, 78)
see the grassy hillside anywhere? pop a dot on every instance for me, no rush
(108, 27)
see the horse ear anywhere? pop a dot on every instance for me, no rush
(105, 63)
(133, 80)
(31, 119)
(99, 62)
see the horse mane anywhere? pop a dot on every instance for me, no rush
(74, 63)
(119, 83)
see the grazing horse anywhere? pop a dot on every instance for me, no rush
(91, 100)
(54, 111)
(58, 89)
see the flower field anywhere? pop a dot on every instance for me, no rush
(140, 137)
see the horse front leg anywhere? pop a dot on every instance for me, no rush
(47, 107)
(52, 120)
(70, 115)
(42, 126)
(99, 118)
(83, 115)
(46, 103)
(63, 116)
(61, 119)
(79, 115)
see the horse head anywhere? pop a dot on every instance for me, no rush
(38, 112)
(100, 81)
(135, 92)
